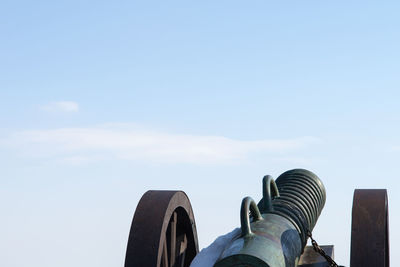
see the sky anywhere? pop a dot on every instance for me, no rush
(101, 101)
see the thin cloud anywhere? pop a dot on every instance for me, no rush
(114, 142)
(394, 148)
(61, 106)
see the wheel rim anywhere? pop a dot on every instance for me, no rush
(163, 231)
(370, 229)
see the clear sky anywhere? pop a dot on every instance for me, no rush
(101, 101)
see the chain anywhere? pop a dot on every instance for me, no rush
(320, 251)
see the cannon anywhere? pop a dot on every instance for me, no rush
(273, 233)
(280, 223)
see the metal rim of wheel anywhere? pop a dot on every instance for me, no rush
(163, 231)
(370, 229)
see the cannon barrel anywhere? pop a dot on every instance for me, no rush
(274, 232)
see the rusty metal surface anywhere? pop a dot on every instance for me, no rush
(163, 231)
(370, 227)
(310, 258)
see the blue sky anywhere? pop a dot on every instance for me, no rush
(102, 101)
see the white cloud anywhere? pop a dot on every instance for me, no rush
(63, 106)
(394, 148)
(132, 143)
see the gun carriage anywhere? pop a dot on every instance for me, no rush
(273, 233)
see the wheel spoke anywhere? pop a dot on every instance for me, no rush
(182, 251)
(172, 240)
(165, 254)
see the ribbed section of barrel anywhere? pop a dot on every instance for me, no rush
(302, 197)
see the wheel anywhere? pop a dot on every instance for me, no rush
(163, 231)
(370, 229)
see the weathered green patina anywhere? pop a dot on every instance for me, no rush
(274, 233)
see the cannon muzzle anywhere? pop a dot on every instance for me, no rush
(274, 232)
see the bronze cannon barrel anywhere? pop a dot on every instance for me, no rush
(274, 232)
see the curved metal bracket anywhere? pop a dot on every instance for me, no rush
(248, 206)
(270, 191)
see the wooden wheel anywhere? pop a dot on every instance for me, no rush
(163, 231)
(370, 229)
